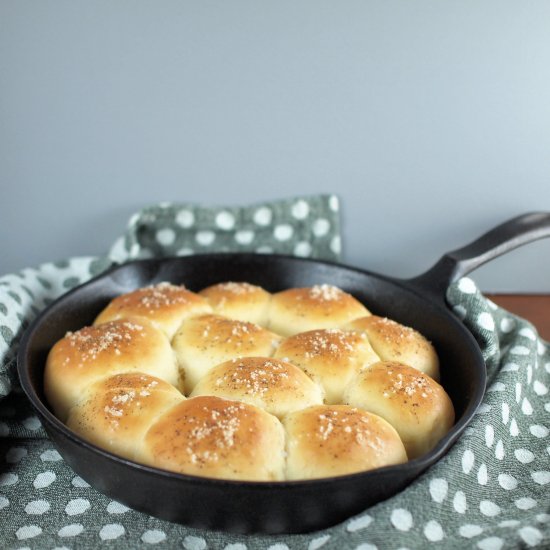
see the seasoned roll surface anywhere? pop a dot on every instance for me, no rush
(213, 437)
(239, 301)
(326, 441)
(321, 306)
(236, 383)
(330, 356)
(271, 384)
(116, 412)
(165, 305)
(205, 341)
(412, 402)
(91, 353)
(393, 341)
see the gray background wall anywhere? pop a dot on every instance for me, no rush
(430, 120)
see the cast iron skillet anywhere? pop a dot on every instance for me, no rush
(274, 507)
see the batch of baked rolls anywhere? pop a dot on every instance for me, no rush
(235, 382)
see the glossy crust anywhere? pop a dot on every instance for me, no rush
(165, 305)
(326, 441)
(119, 383)
(89, 354)
(395, 342)
(208, 340)
(240, 301)
(330, 356)
(217, 438)
(412, 402)
(116, 412)
(273, 385)
(322, 306)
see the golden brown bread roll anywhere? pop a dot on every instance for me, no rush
(116, 383)
(208, 340)
(91, 353)
(333, 440)
(330, 356)
(395, 342)
(240, 301)
(165, 305)
(213, 437)
(271, 384)
(321, 306)
(115, 412)
(412, 402)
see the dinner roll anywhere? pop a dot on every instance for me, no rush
(115, 412)
(165, 305)
(271, 384)
(240, 301)
(411, 401)
(92, 353)
(321, 306)
(333, 440)
(330, 356)
(205, 341)
(395, 342)
(217, 438)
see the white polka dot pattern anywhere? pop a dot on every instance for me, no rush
(37, 507)
(153, 536)
(44, 479)
(51, 455)
(28, 532)
(488, 508)
(185, 218)
(194, 543)
(225, 220)
(433, 531)
(315, 544)
(116, 508)
(77, 506)
(490, 543)
(111, 531)
(438, 489)
(401, 519)
(300, 210)
(244, 237)
(72, 530)
(205, 238)
(359, 523)
(283, 232)
(166, 237)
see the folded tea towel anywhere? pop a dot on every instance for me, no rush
(491, 491)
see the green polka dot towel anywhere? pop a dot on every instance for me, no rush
(491, 491)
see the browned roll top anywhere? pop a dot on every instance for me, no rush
(234, 382)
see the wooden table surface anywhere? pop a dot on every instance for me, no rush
(533, 307)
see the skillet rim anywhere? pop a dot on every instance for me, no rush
(421, 463)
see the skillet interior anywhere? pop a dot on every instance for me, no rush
(288, 507)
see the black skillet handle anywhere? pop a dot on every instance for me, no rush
(503, 238)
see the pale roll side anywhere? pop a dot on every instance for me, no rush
(393, 341)
(331, 357)
(91, 353)
(164, 305)
(116, 412)
(411, 401)
(334, 440)
(240, 301)
(270, 384)
(217, 438)
(208, 340)
(321, 306)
